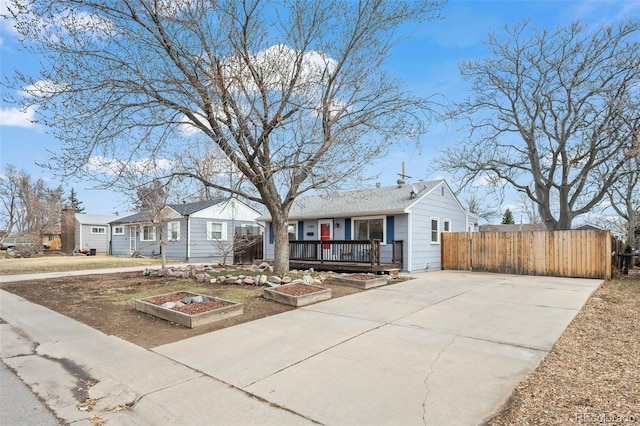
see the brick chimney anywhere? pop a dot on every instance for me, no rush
(68, 230)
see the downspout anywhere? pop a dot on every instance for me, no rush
(409, 240)
(188, 240)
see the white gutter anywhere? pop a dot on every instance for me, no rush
(188, 237)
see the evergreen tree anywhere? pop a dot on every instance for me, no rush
(507, 218)
(74, 202)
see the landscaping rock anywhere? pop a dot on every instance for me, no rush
(168, 305)
(308, 280)
(248, 281)
(230, 280)
(270, 284)
(274, 279)
(286, 280)
(262, 279)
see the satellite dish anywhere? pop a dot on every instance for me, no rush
(413, 192)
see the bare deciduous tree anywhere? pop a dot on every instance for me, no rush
(624, 196)
(31, 207)
(551, 114)
(295, 93)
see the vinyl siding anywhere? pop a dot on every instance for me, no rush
(85, 239)
(425, 255)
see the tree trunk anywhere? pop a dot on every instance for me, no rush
(163, 247)
(163, 254)
(281, 244)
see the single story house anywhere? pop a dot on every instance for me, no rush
(51, 238)
(406, 217)
(91, 231)
(199, 231)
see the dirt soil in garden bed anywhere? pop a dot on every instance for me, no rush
(191, 308)
(107, 303)
(298, 289)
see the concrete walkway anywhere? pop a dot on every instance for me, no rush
(444, 348)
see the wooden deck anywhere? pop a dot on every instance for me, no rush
(383, 268)
(346, 256)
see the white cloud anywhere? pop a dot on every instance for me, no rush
(112, 166)
(277, 65)
(16, 117)
(6, 24)
(488, 180)
(43, 89)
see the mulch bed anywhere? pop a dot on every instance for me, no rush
(361, 277)
(297, 289)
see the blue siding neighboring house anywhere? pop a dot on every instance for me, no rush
(415, 213)
(200, 231)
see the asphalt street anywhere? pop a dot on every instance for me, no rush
(18, 405)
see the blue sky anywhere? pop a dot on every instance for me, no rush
(427, 62)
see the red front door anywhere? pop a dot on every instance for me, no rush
(325, 234)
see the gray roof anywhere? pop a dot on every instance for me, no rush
(184, 209)
(361, 202)
(95, 219)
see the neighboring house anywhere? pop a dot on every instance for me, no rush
(414, 213)
(92, 231)
(200, 231)
(51, 238)
(518, 227)
(588, 227)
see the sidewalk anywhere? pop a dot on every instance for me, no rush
(444, 348)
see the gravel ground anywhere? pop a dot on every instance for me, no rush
(592, 374)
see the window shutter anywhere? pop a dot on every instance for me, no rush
(347, 228)
(300, 230)
(270, 232)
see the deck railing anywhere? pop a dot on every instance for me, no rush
(353, 251)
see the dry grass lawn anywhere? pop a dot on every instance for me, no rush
(58, 263)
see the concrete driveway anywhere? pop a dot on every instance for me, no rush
(444, 348)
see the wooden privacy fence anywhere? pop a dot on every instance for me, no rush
(584, 254)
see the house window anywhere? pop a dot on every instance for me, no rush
(216, 231)
(446, 225)
(173, 231)
(148, 233)
(291, 231)
(435, 231)
(368, 228)
(98, 229)
(118, 230)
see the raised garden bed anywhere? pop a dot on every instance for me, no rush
(189, 315)
(363, 281)
(297, 294)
